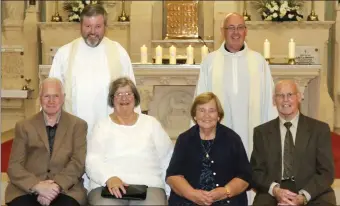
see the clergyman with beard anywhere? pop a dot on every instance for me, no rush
(87, 65)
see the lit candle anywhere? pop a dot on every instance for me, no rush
(159, 54)
(172, 52)
(204, 52)
(190, 55)
(144, 54)
(291, 49)
(266, 49)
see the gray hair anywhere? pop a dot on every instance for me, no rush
(51, 79)
(93, 10)
(122, 82)
(287, 81)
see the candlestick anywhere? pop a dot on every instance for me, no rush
(56, 17)
(291, 49)
(172, 52)
(313, 16)
(123, 17)
(190, 55)
(144, 54)
(246, 16)
(159, 54)
(204, 52)
(266, 49)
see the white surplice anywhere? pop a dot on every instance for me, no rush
(237, 89)
(90, 79)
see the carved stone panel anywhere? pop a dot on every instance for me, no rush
(171, 106)
(13, 11)
(12, 68)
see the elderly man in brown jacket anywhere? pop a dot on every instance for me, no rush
(47, 160)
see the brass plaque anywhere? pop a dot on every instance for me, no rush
(182, 19)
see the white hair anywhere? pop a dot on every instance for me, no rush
(293, 81)
(51, 79)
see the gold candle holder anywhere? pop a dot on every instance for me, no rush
(291, 61)
(56, 17)
(269, 60)
(123, 17)
(312, 16)
(245, 15)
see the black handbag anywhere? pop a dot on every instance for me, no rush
(133, 192)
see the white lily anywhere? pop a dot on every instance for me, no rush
(269, 18)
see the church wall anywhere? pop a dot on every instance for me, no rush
(140, 28)
(113, 9)
(12, 62)
(146, 25)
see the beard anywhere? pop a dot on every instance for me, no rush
(92, 40)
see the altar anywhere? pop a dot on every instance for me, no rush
(167, 91)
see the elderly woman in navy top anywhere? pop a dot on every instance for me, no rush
(209, 165)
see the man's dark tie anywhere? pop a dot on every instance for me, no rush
(51, 131)
(288, 153)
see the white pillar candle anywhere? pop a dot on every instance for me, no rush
(190, 55)
(204, 52)
(144, 54)
(266, 49)
(172, 52)
(291, 49)
(159, 54)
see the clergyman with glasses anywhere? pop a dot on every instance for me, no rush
(292, 159)
(127, 148)
(241, 79)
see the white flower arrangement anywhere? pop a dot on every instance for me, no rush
(74, 8)
(280, 10)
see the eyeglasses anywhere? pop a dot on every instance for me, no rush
(283, 96)
(120, 95)
(232, 29)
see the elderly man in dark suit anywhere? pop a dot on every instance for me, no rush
(47, 159)
(292, 157)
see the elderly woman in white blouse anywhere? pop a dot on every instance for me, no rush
(127, 148)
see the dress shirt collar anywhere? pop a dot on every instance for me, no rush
(46, 119)
(242, 52)
(294, 121)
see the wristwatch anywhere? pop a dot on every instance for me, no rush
(304, 199)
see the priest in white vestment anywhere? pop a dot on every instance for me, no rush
(241, 79)
(87, 65)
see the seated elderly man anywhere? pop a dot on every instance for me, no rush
(292, 158)
(47, 159)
